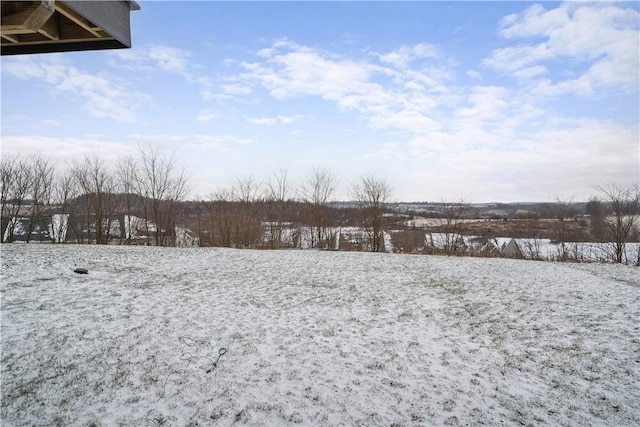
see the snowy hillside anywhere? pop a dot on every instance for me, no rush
(314, 338)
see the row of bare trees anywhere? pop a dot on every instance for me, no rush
(21, 181)
(144, 192)
(94, 197)
(268, 213)
(621, 217)
(613, 215)
(140, 197)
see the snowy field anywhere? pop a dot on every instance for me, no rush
(314, 338)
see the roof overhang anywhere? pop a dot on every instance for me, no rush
(61, 26)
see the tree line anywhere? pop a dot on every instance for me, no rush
(146, 191)
(93, 196)
(605, 224)
(141, 199)
(274, 213)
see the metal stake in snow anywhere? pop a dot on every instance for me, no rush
(221, 352)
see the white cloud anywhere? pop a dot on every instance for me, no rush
(292, 70)
(534, 21)
(601, 41)
(513, 59)
(226, 92)
(405, 55)
(169, 58)
(406, 120)
(270, 121)
(104, 97)
(393, 97)
(213, 142)
(474, 74)
(207, 115)
(530, 72)
(266, 121)
(152, 58)
(568, 157)
(285, 120)
(209, 95)
(65, 149)
(582, 85)
(50, 122)
(236, 89)
(487, 103)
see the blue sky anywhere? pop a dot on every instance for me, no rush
(486, 101)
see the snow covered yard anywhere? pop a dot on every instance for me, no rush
(314, 338)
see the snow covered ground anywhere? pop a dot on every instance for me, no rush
(314, 338)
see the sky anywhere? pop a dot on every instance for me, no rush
(481, 101)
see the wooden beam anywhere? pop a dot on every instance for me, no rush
(79, 20)
(29, 18)
(51, 28)
(13, 18)
(42, 13)
(37, 39)
(29, 38)
(69, 30)
(11, 39)
(61, 46)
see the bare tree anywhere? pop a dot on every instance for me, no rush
(372, 194)
(623, 203)
(232, 220)
(64, 190)
(275, 196)
(99, 187)
(6, 178)
(316, 192)
(160, 185)
(126, 172)
(40, 194)
(199, 211)
(246, 190)
(596, 211)
(16, 177)
(7, 175)
(532, 244)
(248, 231)
(220, 219)
(452, 226)
(224, 194)
(563, 212)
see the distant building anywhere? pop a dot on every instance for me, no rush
(511, 249)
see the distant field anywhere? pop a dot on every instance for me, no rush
(313, 338)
